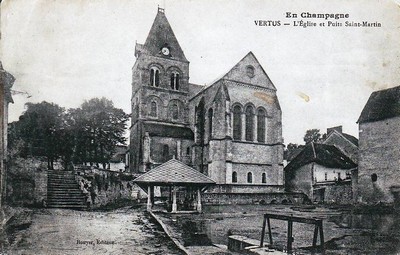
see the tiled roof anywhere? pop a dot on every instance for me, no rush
(194, 89)
(174, 172)
(381, 105)
(158, 129)
(322, 154)
(351, 138)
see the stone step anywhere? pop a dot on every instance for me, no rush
(63, 191)
(61, 181)
(56, 177)
(76, 201)
(60, 196)
(67, 185)
(63, 185)
(68, 206)
(67, 201)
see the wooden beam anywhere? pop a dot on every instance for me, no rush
(314, 243)
(321, 236)
(290, 236)
(269, 231)
(293, 218)
(263, 232)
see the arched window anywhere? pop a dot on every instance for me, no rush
(153, 109)
(210, 120)
(154, 77)
(264, 178)
(175, 81)
(261, 125)
(237, 122)
(249, 177)
(234, 177)
(175, 111)
(249, 123)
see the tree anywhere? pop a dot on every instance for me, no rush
(98, 128)
(312, 135)
(39, 129)
(292, 149)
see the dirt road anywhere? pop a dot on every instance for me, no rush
(122, 231)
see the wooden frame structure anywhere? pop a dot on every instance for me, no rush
(173, 174)
(290, 219)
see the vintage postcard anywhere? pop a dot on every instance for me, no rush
(200, 127)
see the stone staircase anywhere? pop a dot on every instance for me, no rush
(63, 191)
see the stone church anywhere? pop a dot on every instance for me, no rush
(230, 130)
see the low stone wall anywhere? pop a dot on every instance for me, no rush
(339, 193)
(252, 198)
(104, 187)
(27, 182)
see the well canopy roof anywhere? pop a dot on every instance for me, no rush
(174, 172)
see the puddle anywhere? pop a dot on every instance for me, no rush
(345, 233)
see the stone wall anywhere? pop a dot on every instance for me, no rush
(245, 188)
(27, 182)
(379, 156)
(300, 180)
(252, 198)
(103, 187)
(338, 193)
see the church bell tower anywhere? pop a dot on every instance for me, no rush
(160, 93)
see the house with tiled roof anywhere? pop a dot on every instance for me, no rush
(322, 172)
(346, 143)
(230, 130)
(379, 147)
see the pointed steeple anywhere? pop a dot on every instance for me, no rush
(160, 36)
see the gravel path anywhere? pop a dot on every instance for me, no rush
(122, 231)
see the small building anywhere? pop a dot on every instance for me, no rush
(117, 162)
(183, 186)
(379, 147)
(322, 172)
(346, 143)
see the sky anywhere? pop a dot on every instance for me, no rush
(68, 51)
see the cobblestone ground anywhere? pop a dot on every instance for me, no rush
(122, 231)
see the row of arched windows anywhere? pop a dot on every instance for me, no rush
(155, 78)
(249, 177)
(173, 110)
(249, 123)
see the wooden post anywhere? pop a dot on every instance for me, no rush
(321, 235)
(269, 231)
(263, 232)
(149, 198)
(174, 205)
(199, 209)
(290, 236)
(314, 243)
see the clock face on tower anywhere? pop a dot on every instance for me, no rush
(165, 51)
